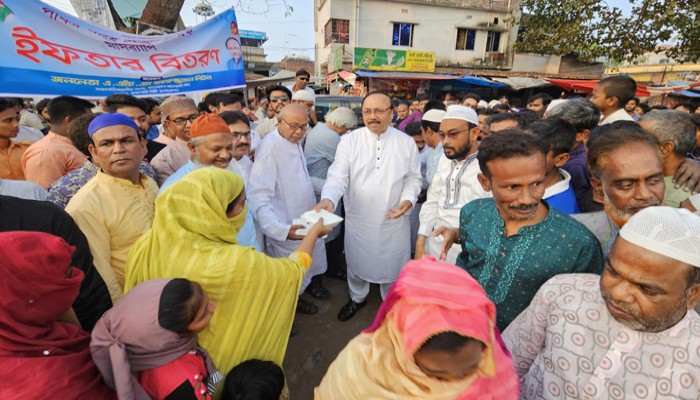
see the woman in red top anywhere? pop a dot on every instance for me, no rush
(146, 346)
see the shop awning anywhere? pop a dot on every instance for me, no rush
(522, 82)
(468, 79)
(686, 93)
(588, 85)
(281, 76)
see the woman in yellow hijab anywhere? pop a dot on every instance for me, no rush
(194, 237)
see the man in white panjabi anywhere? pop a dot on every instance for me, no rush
(455, 183)
(280, 190)
(377, 173)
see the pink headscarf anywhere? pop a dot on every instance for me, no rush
(428, 298)
(129, 338)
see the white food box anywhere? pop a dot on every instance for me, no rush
(309, 218)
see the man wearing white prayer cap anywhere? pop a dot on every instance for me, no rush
(306, 99)
(630, 333)
(455, 182)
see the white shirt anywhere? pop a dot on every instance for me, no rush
(280, 190)
(559, 187)
(266, 126)
(619, 115)
(455, 184)
(374, 173)
(566, 345)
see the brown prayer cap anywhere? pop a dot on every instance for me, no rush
(176, 103)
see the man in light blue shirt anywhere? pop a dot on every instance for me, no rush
(214, 143)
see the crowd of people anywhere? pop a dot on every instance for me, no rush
(154, 249)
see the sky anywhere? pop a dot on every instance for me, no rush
(288, 35)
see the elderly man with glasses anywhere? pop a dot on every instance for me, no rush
(277, 97)
(216, 142)
(281, 190)
(377, 173)
(178, 114)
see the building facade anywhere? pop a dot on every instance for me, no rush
(461, 33)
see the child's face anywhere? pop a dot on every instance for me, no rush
(601, 100)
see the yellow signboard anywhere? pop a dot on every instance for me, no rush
(394, 60)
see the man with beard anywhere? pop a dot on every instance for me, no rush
(627, 171)
(455, 183)
(630, 333)
(377, 173)
(213, 144)
(514, 242)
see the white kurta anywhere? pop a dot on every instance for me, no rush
(455, 184)
(374, 173)
(279, 191)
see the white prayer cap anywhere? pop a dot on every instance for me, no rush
(303, 95)
(672, 232)
(463, 113)
(434, 115)
(492, 103)
(482, 104)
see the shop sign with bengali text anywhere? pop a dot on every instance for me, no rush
(394, 60)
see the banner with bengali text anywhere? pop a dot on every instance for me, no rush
(46, 52)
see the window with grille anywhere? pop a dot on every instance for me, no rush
(402, 34)
(337, 31)
(465, 39)
(493, 41)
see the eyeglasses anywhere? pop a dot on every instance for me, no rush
(183, 121)
(275, 99)
(295, 127)
(238, 135)
(303, 78)
(375, 112)
(452, 135)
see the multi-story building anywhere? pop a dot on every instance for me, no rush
(254, 55)
(460, 33)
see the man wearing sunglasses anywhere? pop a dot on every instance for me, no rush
(277, 97)
(178, 114)
(301, 82)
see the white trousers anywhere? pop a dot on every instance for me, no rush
(359, 288)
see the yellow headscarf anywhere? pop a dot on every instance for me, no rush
(193, 238)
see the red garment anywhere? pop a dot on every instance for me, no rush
(41, 357)
(161, 381)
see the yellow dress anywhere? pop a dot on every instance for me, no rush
(193, 238)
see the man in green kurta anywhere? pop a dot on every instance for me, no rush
(514, 242)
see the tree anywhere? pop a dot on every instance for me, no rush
(165, 13)
(592, 28)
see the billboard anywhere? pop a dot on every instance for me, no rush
(394, 60)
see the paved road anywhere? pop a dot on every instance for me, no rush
(321, 337)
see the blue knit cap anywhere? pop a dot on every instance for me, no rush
(110, 119)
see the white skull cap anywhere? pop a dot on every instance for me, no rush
(463, 113)
(434, 115)
(672, 232)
